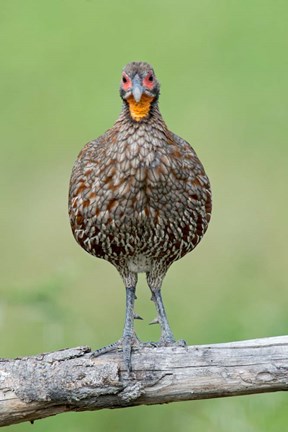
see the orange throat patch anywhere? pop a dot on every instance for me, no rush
(139, 110)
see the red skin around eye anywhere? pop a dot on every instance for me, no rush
(126, 85)
(148, 84)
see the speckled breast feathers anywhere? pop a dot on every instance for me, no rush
(139, 194)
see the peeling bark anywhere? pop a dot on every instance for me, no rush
(71, 380)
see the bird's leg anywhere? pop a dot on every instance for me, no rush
(129, 338)
(154, 281)
(166, 332)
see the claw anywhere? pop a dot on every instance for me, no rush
(136, 316)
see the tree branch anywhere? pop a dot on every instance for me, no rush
(70, 380)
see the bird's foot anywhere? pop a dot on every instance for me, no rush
(171, 342)
(125, 344)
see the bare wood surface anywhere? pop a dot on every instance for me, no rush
(71, 380)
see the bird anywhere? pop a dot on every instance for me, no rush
(140, 199)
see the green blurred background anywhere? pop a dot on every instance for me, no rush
(223, 69)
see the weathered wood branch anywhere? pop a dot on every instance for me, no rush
(70, 380)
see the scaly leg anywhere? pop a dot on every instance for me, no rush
(166, 332)
(167, 337)
(129, 338)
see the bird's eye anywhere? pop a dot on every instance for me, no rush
(126, 82)
(148, 80)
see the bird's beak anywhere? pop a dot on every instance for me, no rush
(137, 89)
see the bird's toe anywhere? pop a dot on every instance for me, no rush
(170, 342)
(125, 344)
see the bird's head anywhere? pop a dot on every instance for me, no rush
(139, 88)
